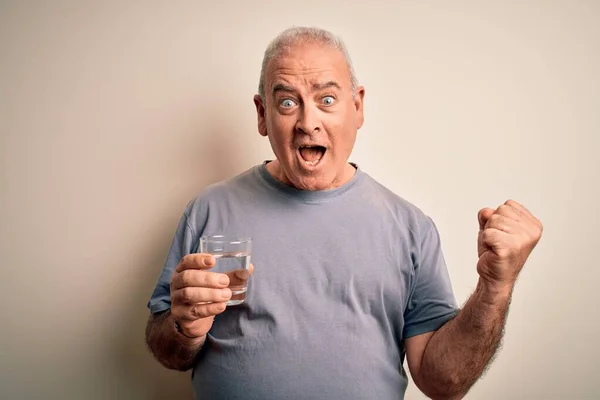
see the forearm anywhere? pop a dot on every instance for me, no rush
(168, 346)
(458, 353)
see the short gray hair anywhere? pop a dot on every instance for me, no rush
(300, 35)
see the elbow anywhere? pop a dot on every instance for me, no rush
(449, 396)
(166, 359)
(450, 389)
(175, 367)
(444, 395)
(165, 348)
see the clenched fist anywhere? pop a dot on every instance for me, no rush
(197, 294)
(507, 236)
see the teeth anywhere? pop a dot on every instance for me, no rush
(313, 162)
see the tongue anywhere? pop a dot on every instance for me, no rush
(311, 154)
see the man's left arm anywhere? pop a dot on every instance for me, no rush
(446, 363)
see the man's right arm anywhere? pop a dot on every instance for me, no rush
(197, 295)
(171, 348)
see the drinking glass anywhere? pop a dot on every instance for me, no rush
(232, 254)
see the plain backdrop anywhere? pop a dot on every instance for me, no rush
(114, 114)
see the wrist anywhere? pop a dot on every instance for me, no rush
(493, 292)
(185, 338)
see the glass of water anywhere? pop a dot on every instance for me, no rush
(233, 259)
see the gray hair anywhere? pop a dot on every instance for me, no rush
(299, 35)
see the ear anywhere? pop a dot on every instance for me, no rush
(260, 113)
(358, 104)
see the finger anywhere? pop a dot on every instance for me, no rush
(196, 261)
(197, 311)
(195, 278)
(511, 212)
(492, 237)
(518, 206)
(526, 213)
(242, 274)
(483, 215)
(193, 295)
(502, 223)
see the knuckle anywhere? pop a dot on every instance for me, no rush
(201, 311)
(218, 308)
(495, 218)
(487, 235)
(186, 259)
(186, 278)
(214, 309)
(504, 208)
(196, 311)
(207, 279)
(177, 311)
(211, 295)
(194, 260)
(185, 294)
(514, 209)
(175, 298)
(174, 280)
(503, 253)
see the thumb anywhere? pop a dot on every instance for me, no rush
(483, 216)
(244, 273)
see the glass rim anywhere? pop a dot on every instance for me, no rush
(229, 239)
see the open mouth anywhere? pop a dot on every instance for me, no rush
(311, 155)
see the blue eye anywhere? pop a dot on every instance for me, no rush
(287, 103)
(328, 100)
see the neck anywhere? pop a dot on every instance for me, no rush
(343, 177)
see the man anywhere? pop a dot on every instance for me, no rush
(350, 279)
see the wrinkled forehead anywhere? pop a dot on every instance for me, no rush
(307, 66)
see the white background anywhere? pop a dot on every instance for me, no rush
(114, 114)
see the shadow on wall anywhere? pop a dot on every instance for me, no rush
(218, 157)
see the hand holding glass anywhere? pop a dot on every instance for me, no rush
(232, 255)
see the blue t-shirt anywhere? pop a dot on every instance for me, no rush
(342, 277)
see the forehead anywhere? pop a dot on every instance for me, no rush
(308, 64)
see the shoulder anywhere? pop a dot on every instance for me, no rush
(236, 188)
(403, 211)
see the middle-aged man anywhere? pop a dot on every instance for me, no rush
(350, 278)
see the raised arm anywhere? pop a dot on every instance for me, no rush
(445, 364)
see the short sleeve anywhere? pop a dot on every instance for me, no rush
(182, 244)
(431, 302)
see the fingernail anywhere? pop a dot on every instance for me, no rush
(225, 293)
(224, 279)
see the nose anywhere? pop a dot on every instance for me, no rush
(308, 120)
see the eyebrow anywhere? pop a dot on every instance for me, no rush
(326, 85)
(281, 87)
